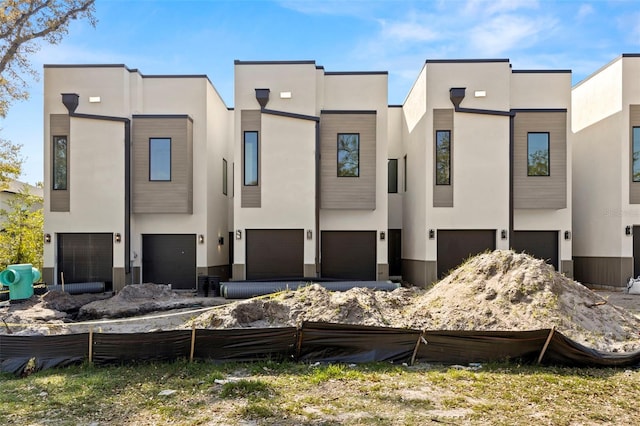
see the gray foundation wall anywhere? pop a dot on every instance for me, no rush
(420, 273)
(603, 271)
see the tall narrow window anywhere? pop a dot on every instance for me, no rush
(60, 162)
(392, 167)
(250, 158)
(348, 155)
(224, 176)
(636, 154)
(443, 157)
(538, 154)
(160, 159)
(405, 174)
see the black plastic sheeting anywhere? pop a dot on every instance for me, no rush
(312, 342)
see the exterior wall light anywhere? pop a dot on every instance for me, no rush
(220, 241)
(238, 234)
(503, 234)
(201, 239)
(382, 236)
(309, 234)
(118, 237)
(432, 234)
(627, 230)
(567, 235)
(47, 238)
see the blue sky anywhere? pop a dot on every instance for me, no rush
(204, 37)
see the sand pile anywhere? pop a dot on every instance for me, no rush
(501, 290)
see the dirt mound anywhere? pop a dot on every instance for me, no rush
(501, 290)
(134, 300)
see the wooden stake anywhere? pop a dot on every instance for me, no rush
(415, 350)
(193, 341)
(62, 280)
(90, 345)
(546, 344)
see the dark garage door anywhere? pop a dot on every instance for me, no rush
(349, 255)
(85, 258)
(454, 247)
(275, 253)
(540, 244)
(169, 259)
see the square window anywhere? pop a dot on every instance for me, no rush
(160, 159)
(443, 157)
(348, 155)
(538, 154)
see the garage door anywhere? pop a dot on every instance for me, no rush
(275, 254)
(169, 259)
(85, 258)
(455, 246)
(349, 255)
(540, 244)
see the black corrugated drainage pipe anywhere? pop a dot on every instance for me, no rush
(70, 101)
(246, 290)
(79, 288)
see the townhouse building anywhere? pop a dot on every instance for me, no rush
(310, 175)
(606, 171)
(311, 154)
(486, 166)
(135, 183)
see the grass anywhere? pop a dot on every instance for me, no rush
(298, 394)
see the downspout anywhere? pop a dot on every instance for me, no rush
(456, 95)
(70, 100)
(262, 96)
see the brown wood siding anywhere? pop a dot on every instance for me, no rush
(251, 122)
(634, 187)
(357, 193)
(540, 192)
(59, 200)
(176, 195)
(443, 194)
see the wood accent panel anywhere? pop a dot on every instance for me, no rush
(358, 193)
(540, 192)
(176, 195)
(59, 125)
(634, 187)
(443, 194)
(251, 121)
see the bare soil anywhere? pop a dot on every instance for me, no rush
(501, 290)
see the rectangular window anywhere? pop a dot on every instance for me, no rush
(443, 157)
(60, 162)
(250, 158)
(636, 154)
(405, 174)
(392, 167)
(224, 176)
(537, 154)
(160, 159)
(348, 155)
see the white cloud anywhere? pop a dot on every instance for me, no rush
(505, 32)
(585, 10)
(411, 30)
(493, 7)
